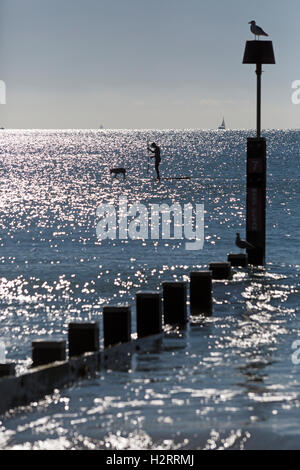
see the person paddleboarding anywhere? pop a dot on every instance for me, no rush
(156, 150)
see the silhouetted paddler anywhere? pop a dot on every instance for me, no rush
(156, 150)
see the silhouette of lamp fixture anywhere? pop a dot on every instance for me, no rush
(259, 52)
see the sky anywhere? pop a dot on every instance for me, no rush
(138, 64)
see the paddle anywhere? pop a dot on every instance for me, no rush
(178, 178)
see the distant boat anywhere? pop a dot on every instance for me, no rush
(222, 127)
(101, 127)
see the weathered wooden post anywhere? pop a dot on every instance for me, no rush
(175, 303)
(7, 369)
(257, 52)
(47, 352)
(83, 338)
(201, 292)
(148, 313)
(238, 260)
(221, 271)
(116, 325)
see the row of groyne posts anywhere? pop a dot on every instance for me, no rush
(52, 369)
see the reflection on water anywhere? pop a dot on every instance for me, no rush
(226, 381)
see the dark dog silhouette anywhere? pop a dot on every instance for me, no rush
(118, 171)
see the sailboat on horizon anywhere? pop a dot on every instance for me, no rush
(222, 127)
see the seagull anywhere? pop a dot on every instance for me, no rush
(257, 30)
(243, 244)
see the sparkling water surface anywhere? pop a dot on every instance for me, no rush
(225, 382)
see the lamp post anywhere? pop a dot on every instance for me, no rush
(257, 52)
(258, 100)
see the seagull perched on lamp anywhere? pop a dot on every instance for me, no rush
(243, 244)
(257, 30)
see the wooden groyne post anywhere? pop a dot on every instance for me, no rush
(83, 338)
(148, 313)
(116, 324)
(175, 303)
(201, 292)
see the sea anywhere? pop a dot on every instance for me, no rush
(230, 381)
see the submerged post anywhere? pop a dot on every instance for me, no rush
(257, 52)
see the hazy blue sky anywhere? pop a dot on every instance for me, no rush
(144, 63)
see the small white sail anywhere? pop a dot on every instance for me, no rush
(222, 126)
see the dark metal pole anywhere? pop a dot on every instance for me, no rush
(259, 74)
